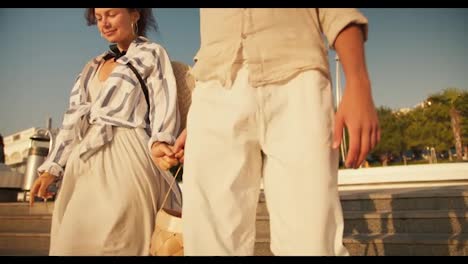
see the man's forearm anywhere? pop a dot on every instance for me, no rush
(350, 48)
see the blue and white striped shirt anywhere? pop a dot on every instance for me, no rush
(121, 103)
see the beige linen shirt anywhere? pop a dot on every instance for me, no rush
(278, 43)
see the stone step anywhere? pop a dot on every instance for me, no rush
(393, 245)
(444, 198)
(427, 221)
(403, 204)
(25, 252)
(262, 247)
(407, 245)
(30, 244)
(21, 208)
(416, 222)
(33, 244)
(408, 199)
(384, 222)
(25, 223)
(24, 243)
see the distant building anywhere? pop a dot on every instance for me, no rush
(16, 149)
(404, 110)
(17, 146)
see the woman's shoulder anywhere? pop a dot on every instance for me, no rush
(150, 45)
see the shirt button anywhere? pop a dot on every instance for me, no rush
(243, 36)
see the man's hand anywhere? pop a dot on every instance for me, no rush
(179, 146)
(358, 113)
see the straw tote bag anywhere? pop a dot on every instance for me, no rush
(167, 238)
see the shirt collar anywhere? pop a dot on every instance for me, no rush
(128, 54)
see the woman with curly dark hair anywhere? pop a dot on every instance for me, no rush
(123, 109)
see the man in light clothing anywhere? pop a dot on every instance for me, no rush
(262, 107)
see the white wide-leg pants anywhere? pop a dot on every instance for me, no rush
(281, 132)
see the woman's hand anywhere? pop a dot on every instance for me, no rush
(40, 186)
(163, 156)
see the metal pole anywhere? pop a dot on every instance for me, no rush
(49, 123)
(338, 100)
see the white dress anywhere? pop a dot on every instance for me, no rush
(107, 205)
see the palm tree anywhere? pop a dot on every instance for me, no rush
(452, 98)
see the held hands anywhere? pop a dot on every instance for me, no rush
(40, 186)
(163, 155)
(357, 112)
(166, 156)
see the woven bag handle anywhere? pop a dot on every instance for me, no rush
(170, 188)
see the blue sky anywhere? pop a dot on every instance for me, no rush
(411, 53)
